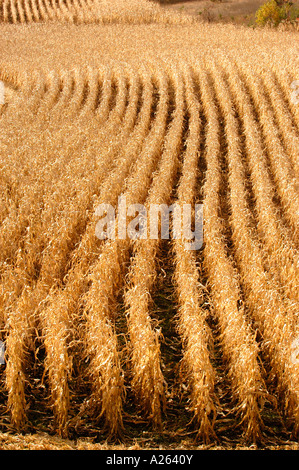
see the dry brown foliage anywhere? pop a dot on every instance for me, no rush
(158, 109)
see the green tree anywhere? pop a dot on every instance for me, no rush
(275, 11)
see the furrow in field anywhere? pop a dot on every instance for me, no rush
(65, 302)
(74, 221)
(107, 279)
(238, 343)
(147, 377)
(279, 160)
(265, 302)
(192, 326)
(284, 118)
(47, 275)
(278, 240)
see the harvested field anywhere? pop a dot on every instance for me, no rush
(143, 341)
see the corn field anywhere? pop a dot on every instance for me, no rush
(102, 336)
(87, 11)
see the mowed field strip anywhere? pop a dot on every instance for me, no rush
(120, 337)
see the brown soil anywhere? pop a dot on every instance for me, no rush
(235, 11)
